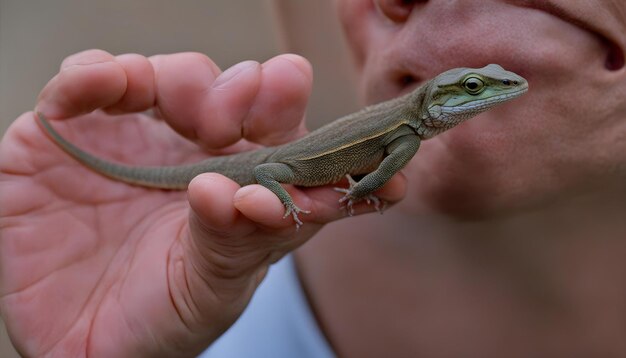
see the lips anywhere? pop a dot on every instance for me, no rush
(615, 52)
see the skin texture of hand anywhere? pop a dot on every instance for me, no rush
(90, 266)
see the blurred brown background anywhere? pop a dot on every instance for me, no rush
(35, 36)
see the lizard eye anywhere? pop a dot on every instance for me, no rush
(473, 85)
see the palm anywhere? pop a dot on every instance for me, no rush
(106, 242)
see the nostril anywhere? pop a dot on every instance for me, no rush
(407, 80)
(615, 57)
(397, 10)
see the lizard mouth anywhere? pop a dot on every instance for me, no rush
(474, 107)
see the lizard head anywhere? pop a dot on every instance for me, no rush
(459, 94)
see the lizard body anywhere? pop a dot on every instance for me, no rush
(377, 141)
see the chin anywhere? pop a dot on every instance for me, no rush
(469, 177)
(462, 198)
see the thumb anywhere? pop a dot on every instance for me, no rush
(219, 243)
(214, 269)
(227, 253)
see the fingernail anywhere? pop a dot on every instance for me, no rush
(297, 61)
(233, 72)
(244, 192)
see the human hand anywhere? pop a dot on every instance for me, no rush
(91, 266)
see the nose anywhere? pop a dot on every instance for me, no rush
(397, 10)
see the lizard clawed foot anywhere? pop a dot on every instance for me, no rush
(349, 199)
(379, 204)
(293, 210)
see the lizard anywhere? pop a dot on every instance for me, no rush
(375, 142)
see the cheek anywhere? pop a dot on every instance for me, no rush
(354, 16)
(365, 27)
(561, 138)
(521, 156)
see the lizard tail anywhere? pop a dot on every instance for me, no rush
(178, 177)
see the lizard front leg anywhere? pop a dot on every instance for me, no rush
(369, 199)
(270, 175)
(399, 152)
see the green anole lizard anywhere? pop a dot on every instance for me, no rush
(376, 142)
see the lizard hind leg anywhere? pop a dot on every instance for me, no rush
(270, 175)
(348, 200)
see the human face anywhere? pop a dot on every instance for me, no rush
(566, 136)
